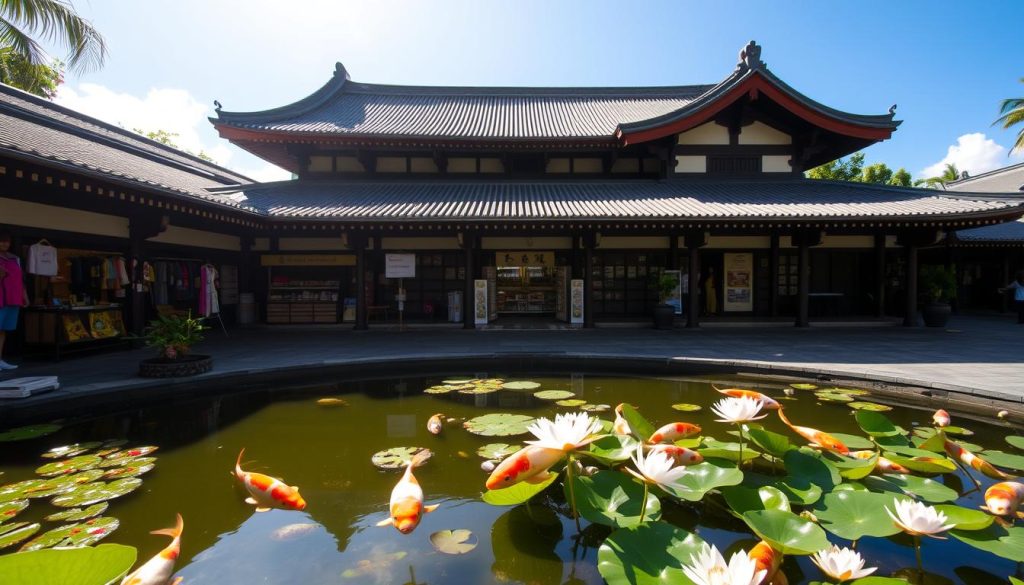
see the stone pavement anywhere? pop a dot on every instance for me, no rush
(978, 355)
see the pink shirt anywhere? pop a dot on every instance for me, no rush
(12, 288)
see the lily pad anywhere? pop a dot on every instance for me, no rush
(872, 406)
(652, 553)
(11, 534)
(855, 514)
(79, 534)
(92, 493)
(773, 443)
(11, 509)
(129, 470)
(926, 489)
(613, 499)
(121, 461)
(524, 385)
(457, 381)
(854, 441)
(741, 499)
(67, 466)
(713, 448)
(1016, 440)
(133, 452)
(1003, 459)
(75, 514)
(596, 407)
(331, 402)
(453, 542)
(1004, 542)
(518, 493)
(686, 407)
(553, 394)
(497, 451)
(19, 490)
(29, 432)
(612, 449)
(877, 425)
(640, 427)
(847, 391)
(106, 563)
(803, 386)
(479, 390)
(832, 397)
(499, 424)
(855, 468)
(786, 532)
(70, 450)
(701, 478)
(965, 518)
(923, 464)
(571, 402)
(443, 389)
(398, 457)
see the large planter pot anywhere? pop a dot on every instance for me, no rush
(936, 314)
(189, 365)
(664, 316)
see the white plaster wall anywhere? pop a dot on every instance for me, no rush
(295, 244)
(775, 163)
(761, 133)
(491, 165)
(261, 244)
(586, 165)
(320, 164)
(691, 164)
(739, 242)
(558, 165)
(28, 214)
(445, 243)
(847, 242)
(198, 238)
(526, 243)
(390, 164)
(709, 133)
(422, 164)
(349, 164)
(461, 164)
(627, 242)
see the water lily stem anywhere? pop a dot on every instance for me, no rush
(740, 427)
(643, 503)
(967, 472)
(572, 492)
(917, 554)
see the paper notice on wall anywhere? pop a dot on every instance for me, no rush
(576, 301)
(739, 282)
(480, 302)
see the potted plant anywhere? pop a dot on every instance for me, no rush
(174, 336)
(938, 288)
(665, 313)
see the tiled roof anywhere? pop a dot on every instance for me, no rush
(1012, 231)
(35, 129)
(1009, 179)
(669, 200)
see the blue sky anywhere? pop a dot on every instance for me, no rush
(946, 64)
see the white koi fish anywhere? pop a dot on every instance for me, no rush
(817, 438)
(406, 504)
(674, 431)
(530, 464)
(1003, 498)
(158, 570)
(620, 426)
(266, 492)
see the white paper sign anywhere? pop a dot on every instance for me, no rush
(400, 266)
(480, 302)
(739, 282)
(576, 300)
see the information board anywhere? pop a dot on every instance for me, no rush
(739, 282)
(480, 302)
(576, 301)
(400, 266)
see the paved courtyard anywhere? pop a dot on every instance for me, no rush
(980, 355)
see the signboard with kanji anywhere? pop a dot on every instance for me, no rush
(524, 258)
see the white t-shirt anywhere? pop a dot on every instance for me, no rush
(42, 260)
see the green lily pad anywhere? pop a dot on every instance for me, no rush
(923, 464)
(60, 485)
(804, 386)
(872, 406)
(29, 432)
(855, 468)
(854, 441)
(1003, 459)
(571, 402)
(518, 493)
(612, 449)
(398, 457)
(640, 427)
(772, 443)
(443, 389)
(92, 493)
(926, 489)
(497, 451)
(847, 391)
(855, 514)
(686, 407)
(499, 424)
(129, 470)
(596, 407)
(713, 448)
(122, 461)
(458, 381)
(965, 518)
(130, 453)
(652, 553)
(876, 425)
(812, 466)
(66, 466)
(524, 385)
(20, 490)
(15, 532)
(106, 563)
(786, 532)
(553, 394)
(701, 478)
(831, 397)
(70, 450)
(453, 542)
(479, 390)
(11, 509)
(84, 533)
(613, 499)
(1004, 542)
(1016, 440)
(75, 514)
(741, 499)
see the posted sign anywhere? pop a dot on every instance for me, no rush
(739, 282)
(400, 266)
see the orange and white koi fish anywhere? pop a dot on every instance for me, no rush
(158, 570)
(816, 438)
(941, 418)
(620, 426)
(1003, 498)
(769, 560)
(406, 505)
(674, 432)
(968, 458)
(681, 455)
(529, 464)
(266, 492)
(767, 402)
(435, 424)
(883, 465)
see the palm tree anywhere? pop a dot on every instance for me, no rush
(949, 174)
(1012, 110)
(53, 21)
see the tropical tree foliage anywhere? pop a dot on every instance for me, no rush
(41, 80)
(948, 175)
(169, 139)
(853, 169)
(1012, 114)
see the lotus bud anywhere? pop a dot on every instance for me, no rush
(1003, 413)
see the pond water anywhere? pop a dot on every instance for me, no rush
(326, 451)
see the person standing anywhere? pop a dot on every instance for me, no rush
(13, 295)
(1017, 286)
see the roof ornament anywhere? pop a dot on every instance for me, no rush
(750, 57)
(217, 106)
(892, 110)
(340, 71)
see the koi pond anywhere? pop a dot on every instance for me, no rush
(752, 487)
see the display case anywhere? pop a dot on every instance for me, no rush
(523, 290)
(301, 298)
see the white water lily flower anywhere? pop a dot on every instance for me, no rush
(657, 468)
(841, 564)
(568, 432)
(918, 519)
(738, 410)
(708, 568)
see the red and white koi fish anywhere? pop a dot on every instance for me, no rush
(620, 426)
(883, 465)
(158, 570)
(266, 492)
(767, 402)
(435, 424)
(529, 464)
(1003, 498)
(674, 432)
(968, 458)
(681, 455)
(941, 418)
(816, 438)
(406, 505)
(769, 560)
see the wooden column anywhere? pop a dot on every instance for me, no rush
(773, 266)
(140, 229)
(589, 243)
(910, 310)
(673, 252)
(694, 242)
(879, 275)
(359, 244)
(468, 299)
(804, 239)
(1004, 302)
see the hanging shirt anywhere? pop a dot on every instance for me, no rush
(209, 304)
(1018, 290)
(12, 287)
(42, 259)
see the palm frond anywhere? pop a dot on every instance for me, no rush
(57, 21)
(17, 40)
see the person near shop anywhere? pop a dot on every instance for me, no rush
(13, 295)
(1017, 286)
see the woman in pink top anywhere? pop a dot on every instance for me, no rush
(13, 295)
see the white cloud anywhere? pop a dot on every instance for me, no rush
(169, 109)
(974, 153)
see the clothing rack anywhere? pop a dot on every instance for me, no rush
(204, 262)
